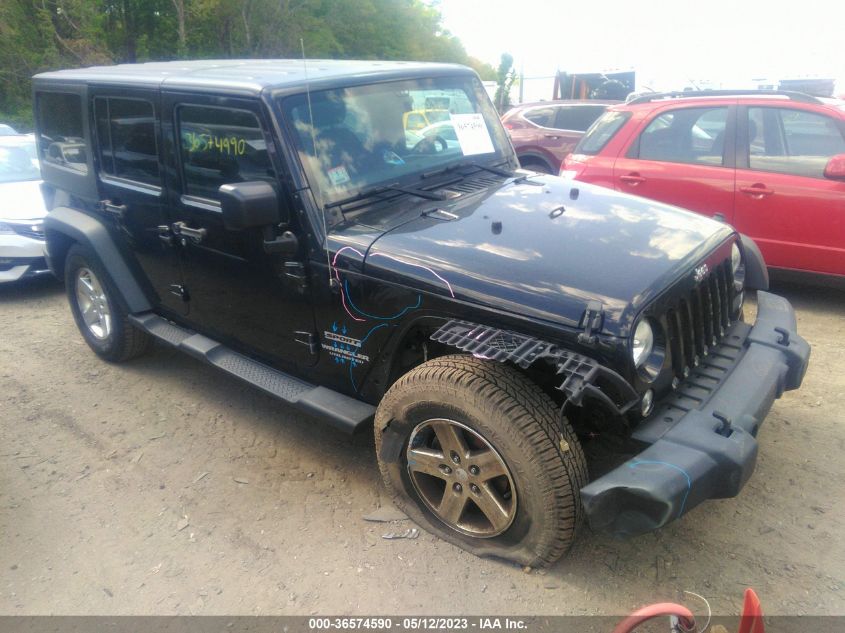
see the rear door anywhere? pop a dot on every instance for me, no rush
(783, 200)
(535, 138)
(130, 174)
(239, 294)
(683, 156)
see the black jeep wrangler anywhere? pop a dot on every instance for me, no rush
(533, 351)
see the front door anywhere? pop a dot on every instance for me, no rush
(684, 157)
(783, 200)
(130, 174)
(239, 294)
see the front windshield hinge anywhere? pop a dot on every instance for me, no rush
(592, 322)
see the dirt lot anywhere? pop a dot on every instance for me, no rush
(164, 487)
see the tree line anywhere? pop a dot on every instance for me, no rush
(38, 35)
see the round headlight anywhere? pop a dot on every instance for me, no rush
(643, 343)
(736, 259)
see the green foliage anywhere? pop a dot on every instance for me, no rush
(38, 35)
(505, 78)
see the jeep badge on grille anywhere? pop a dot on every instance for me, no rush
(700, 273)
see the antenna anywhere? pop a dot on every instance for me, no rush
(319, 192)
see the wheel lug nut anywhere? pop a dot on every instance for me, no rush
(457, 487)
(446, 470)
(455, 457)
(474, 489)
(473, 470)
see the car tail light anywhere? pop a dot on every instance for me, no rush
(508, 125)
(571, 167)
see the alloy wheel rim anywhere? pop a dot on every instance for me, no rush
(461, 478)
(93, 304)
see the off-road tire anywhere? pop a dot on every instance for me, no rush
(521, 423)
(125, 341)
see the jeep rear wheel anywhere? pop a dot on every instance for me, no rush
(477, 454)
(99, 312)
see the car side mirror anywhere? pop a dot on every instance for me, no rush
(248, 205)
(835, 168)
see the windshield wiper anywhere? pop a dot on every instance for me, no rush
(493, 169)
(369, 193)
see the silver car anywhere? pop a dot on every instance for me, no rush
(21, 209)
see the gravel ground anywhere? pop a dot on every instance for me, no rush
(163, 487)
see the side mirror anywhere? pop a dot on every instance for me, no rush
(835, 168)
(248, 205)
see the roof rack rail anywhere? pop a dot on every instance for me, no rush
(654, 96)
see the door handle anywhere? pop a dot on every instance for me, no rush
(757, 190)
(114, 209)
(553, 137)
(183, 231)
(632, 179)
(165, 234)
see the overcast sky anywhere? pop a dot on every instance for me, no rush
(668, 43)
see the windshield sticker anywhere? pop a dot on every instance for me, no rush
(338, 175)
(473, 135)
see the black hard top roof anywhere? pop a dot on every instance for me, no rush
(248, 76)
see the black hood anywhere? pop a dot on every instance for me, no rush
(542, 248)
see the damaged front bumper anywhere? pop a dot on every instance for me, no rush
(703, 438)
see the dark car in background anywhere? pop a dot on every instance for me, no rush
(771, 163)
(544, 133)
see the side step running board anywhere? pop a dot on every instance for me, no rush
(341, 411)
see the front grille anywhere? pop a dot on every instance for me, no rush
(32, 230)
(698, 320)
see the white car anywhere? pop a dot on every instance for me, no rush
(22, 210)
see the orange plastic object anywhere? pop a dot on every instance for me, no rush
(752, 614)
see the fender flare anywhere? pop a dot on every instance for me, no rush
(756, 273)
(64, 225)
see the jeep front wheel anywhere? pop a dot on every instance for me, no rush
(99, 313)
(477, 454)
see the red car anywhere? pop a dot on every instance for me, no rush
(543, 133)
(770, 163)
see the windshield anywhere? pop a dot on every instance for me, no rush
(366, 136)
(18, 159)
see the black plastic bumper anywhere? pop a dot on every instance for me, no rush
(702, 440)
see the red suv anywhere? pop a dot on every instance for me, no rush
(771, 163)
(543, 133)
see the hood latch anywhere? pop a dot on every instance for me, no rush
(592, 322)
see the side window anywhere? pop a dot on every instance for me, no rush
(61, 135)
(221, 146)
(687, 135)
(544, 117)
(126, 139)
(791, 141)
(578, 118)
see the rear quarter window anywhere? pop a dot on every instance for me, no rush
(61, 133)
(600, 132)
(544, 117)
